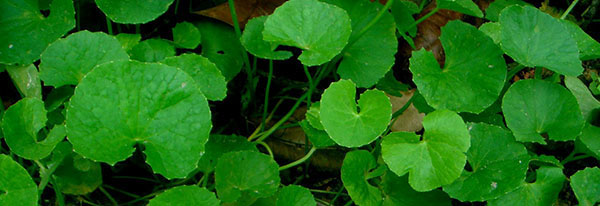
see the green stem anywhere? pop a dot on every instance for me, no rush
(564, 15)
(284, 119)
(336, 196)
(138, 29)
(176, 6)
(404, 108)
(310, 85)
(137, 178)
(59, 196)
(266, 107)
(325, 192)
(299, 161)
(371, 23)
(238, 33)
(122, 191)
(266, 146)
(572, 158)
(422, 5)
(78, 16)
(108, 195)
(45, 174)
(377, 172)
(109, 26)
(349, 203)
(418, 21)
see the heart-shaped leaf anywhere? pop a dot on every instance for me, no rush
(16, 186)
(544, 191)
(184, 196)
(206, 74)
(586, 185)
(355, 168)
(252, 40)
(133, 11)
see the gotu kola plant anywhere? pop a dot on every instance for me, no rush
(86, 106)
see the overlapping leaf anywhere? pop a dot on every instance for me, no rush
(218, 145)
(399, 193)
(588, 47)
(186, 35)
(26, 79)
(184, 196)
(463, 6)
(319, 138)
(133, 11)
(354, 172)
(152, 50)
(252, 40)
(586, 185)
(206, 74)
(128, 41)
(294, 195)
(16, 186)
(222, 47)
(75, 175)
(544, 191)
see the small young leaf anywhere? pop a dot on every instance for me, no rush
(128, 41)
(587, 102)
(541, 193)
(186, 195)
(313, 115)
(364, 62)
(588, 47)
(152, 50)
(26, 80)
(319, 138)
(399, 193)
(133, 11)
(436, 160)
(492, 13)
(57, 97)
(74, 179)
(26, 32)
(495, 170)
(16, 186)
(186, 35)
(355, 168)
(390, 85)
(206, 74)
(473, 76)
(321, 30)
(492, 29)
(467, 7)
(121, 104)
(586, 185)
(252, 40)
(222, 47)
(67, 60)
(346, 125)
(21, 124)
(533, 107)
(526, 33)
(218, 145)
(233, 181)
(294, 195)
(402, 12)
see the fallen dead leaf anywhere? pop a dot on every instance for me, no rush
(411, 119)
(245, 10)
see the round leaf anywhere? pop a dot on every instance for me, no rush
(321, 30)
(67, 60)
(185, 195)
(133, 11)
(26, 32)
(186, 35)
(534, 107)
(436, 160)
(120, 104)
(534, 38)
(544, 191)
(222, 47)
(252, 40)
(344, 123)
(355, 168)
(77, 175)
(206, 74)
(473, 74)
(218, 145)
(152, 50)
(495, 170)
(233, 181)
(463, 6)
(21, 124)
(586, 185)
(364, 62)
(294, 195)
(399, 193)
(16, 186)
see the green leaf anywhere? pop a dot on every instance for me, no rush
(26, 32)
(21, 124)
(152, 50)
(16, 186)
(206, 74)
(364, 62)
(184, 196)
(218, 145)
(357, 164)
(186, 35)
(495, 170)
(233, 181)
(590, 137)
(541, 193)
(587, 102)
(390, 85)
(294, 195)
(128, 41)
(525, 36)
(436, 160)
(133, 11)
(588, 47)
(321, 30)
(121, 104)
(77, 175)
(26, 80)
(545, 160)
(421, 104)
(313, 115)
(67, 60)
(492, 13)
(319, 138)
(463, 6)
(399, 193)
(533, 107)
(586, 185)
(402, 12)
(473, 75)
(222, 47)
(57, 97)
(492, 29)
(252, 40)
(344, 123)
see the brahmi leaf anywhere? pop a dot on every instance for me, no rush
(533, 107)
(26, 32)
(21, 124)
(185, 195)
(463, 6)
(399, 193)
(492, 29)
(355, 168)
(588, 47)
(26, 79)
(152, 50)
(133, 11)
(525, 33)
(222, 47)
(473, 74)
(128, 41)
(252, 40)
(294, 195)
(16, 186)
(544, 191)
(492, 13)
(321, 30)
(218, 145)
(436, 160)
(313, 115)
(364, 62)
(587, 102)
(496, 170)
(342, 120)
(206, 74)
(590, 137)
(121, 104)
(186, 35)
(317, 137)
(586, 185)
(67, 60)
(233, 181)
(76, 175)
